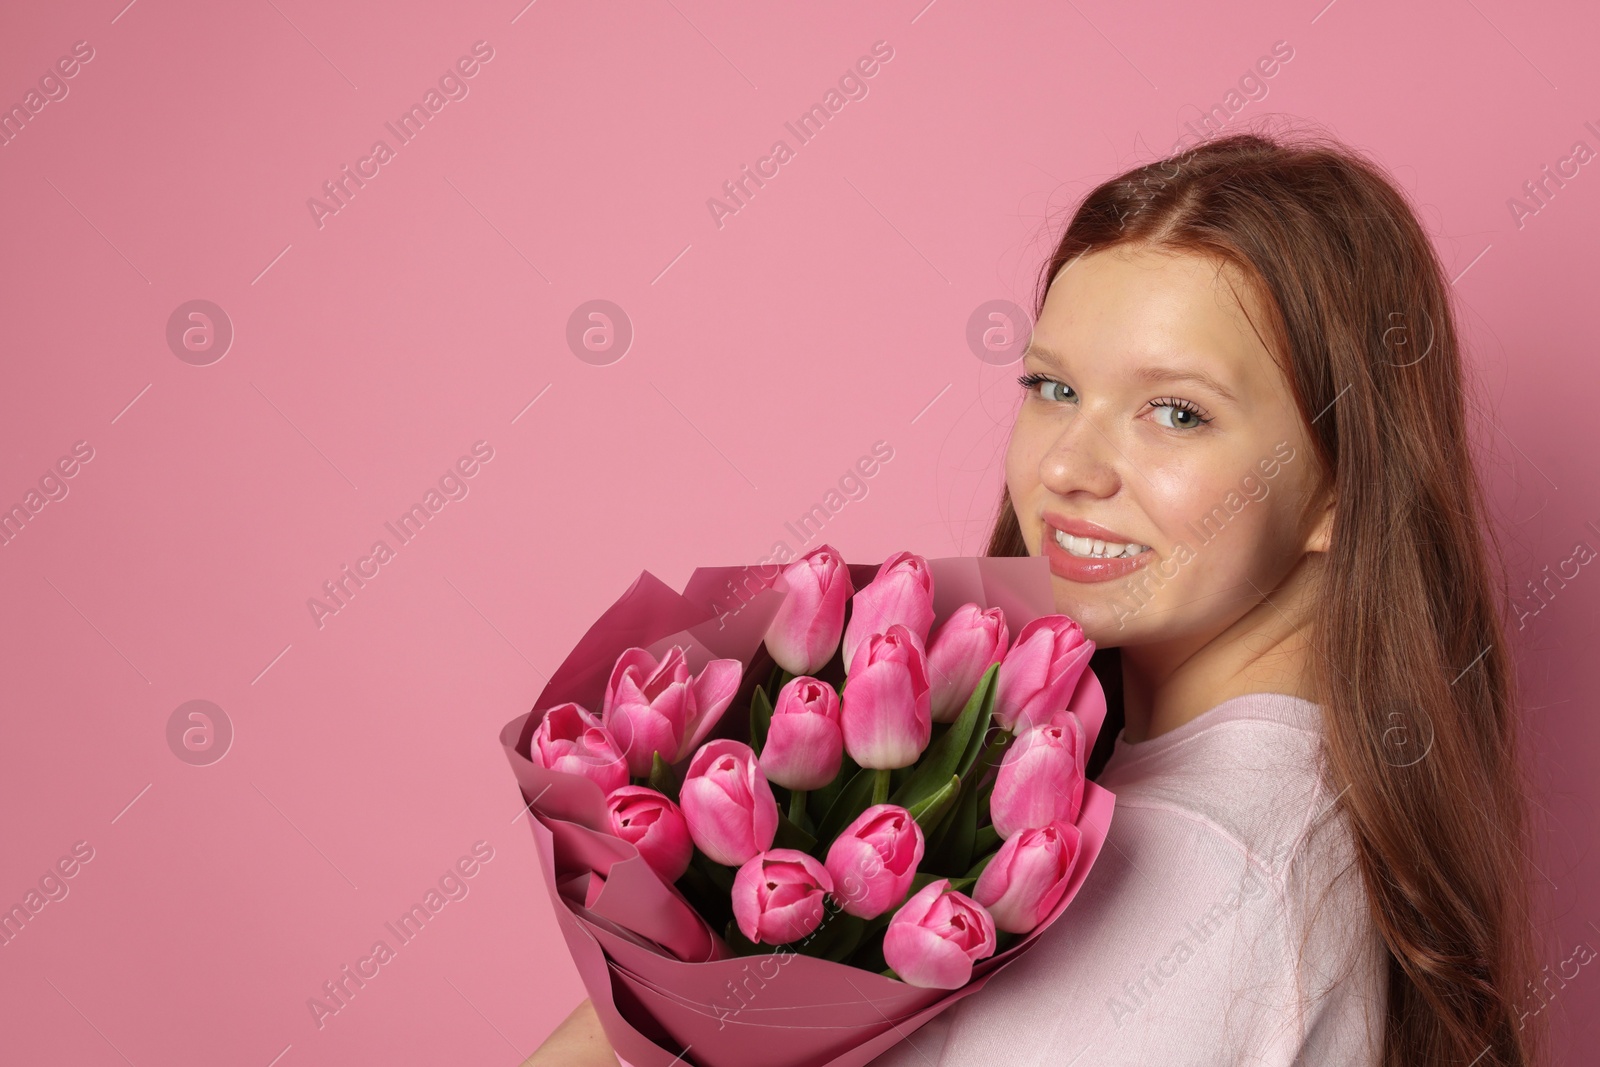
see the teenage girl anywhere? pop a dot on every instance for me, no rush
(1243, 445)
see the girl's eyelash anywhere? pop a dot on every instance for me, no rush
(1181, 405)
(1028, 381)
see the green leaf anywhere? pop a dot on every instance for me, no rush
(779, 678)
(869, 953)
(663, 779)
(955, 841)
(943, 757)
(852, 802)
(791, 836)
(931, 808)
(923, 879)
(705, 896)
(720, 875)
(818, 801)
(977, 868)
(760, 719)
(980, 728)
(837, 936)
(950, 847)
(986, 840)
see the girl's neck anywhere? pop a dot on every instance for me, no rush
(1268, 649)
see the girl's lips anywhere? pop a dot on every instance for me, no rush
(1064, 564)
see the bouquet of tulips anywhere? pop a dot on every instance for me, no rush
(832, 812)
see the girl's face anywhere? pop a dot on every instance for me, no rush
(1158, 458)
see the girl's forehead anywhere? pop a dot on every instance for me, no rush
(1157, 316)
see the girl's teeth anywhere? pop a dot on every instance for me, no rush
(1093, 548)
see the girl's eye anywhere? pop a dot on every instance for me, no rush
(1050, 388)
(1184, 415)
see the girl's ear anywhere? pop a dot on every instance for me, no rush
(1321, 535)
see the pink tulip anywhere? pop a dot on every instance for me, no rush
(1027, 876)
(964, 646)
(729, 806)
(778, 894)
(874, 859)
(902, 592)
(1041, 777)
(804, 747)
(1037, 676)
(660, 707)
(934, 938)
(804, 634)
(572, 741)
(885, 714)
(653, 824)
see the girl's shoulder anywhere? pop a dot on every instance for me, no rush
(1248, 771)
(1223, 920)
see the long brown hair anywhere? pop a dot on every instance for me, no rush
(1416, 679)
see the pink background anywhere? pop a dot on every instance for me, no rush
(769, 354)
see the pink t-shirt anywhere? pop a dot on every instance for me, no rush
(1225, 892)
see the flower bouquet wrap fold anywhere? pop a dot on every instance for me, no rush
(789, 824)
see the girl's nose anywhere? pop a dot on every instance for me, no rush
(1083, 458)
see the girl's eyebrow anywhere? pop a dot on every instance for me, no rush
(1171, 374)
(1151, 374)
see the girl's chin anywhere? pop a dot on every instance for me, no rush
(1104, 621)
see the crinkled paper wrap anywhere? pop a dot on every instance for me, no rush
(664, 984)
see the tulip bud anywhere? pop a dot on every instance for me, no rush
(964, 646)
(778, 896)
(1041, 777)
(804, 634)
(901, 592)
(572, 741)
(1037, 676)
(884, 713)
(653, 707)
(1026, 878)
(934, 938)
(804, 746)
(726, 801)
(653, 824)
(874, 859)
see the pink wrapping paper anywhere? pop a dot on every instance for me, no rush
(664, 984)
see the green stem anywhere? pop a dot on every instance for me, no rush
(880, 786)
(797, 807)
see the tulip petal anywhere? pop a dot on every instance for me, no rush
(714, 689)
(922, 958)
(634, 664)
